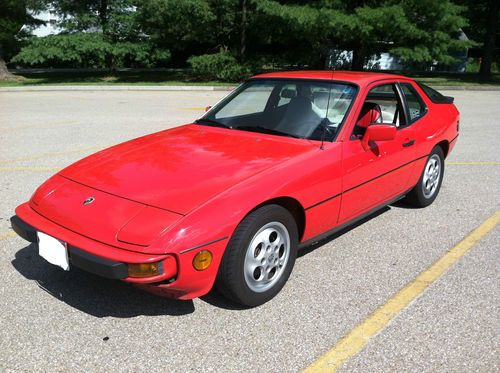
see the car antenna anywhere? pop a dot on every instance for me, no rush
(323, 133)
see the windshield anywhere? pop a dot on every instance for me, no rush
(297, 108)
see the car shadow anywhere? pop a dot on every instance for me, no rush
(92, 294)
(218, 300)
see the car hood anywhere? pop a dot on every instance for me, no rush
(180, 168)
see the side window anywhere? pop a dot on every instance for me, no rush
(382, 105)
(416, 106)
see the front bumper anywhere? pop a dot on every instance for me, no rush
(179, 279)
(79, 258)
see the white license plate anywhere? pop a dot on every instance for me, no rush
(53, 250)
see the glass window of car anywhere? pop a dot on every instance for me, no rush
(416, 106)
(383, 99)
(288, 91)
(287, 107)
(249, 101)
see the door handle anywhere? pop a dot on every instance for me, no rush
(409, 143)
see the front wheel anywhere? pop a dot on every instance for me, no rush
(259, 257)
(429, 184)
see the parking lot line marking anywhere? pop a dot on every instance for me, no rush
(49, 154)
(191, 108)
(351, 344)
(5, 235)
(6, 169)
(40, 126)
(473, 163)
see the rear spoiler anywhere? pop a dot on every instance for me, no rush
(443, 100)
(434, 95)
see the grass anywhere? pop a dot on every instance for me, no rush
(125, 77)
(455, 79)
(183, 77)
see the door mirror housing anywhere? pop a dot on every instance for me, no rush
(378, 132)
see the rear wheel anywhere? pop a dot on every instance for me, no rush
(259, 257)
(429, 184)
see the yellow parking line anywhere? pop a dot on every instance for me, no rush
(473, 163)
(5, 235)
(49, 154)
(40, 126)
(356, 340)
(30, 168)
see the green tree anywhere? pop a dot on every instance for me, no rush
(192, 27)
(89, 50)
(484, 27)
(13, 16)
(96, 33)
(415, 30)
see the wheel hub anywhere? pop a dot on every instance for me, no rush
(267, 256)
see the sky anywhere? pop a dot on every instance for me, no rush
(48, 28)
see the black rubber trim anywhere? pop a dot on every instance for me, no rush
(79, 258)
(97, 265)
(350, 222)
(203, 244)
(386, 173)
(325, 200)
(456, 137)
(365, 182)
(23, 229)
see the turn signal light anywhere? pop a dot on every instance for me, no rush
(144, 269)
(202, 260)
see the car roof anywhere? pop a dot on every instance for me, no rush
(359, 77)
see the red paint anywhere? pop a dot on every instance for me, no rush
(161, 194)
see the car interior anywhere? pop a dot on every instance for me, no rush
(382, 105)
(300, 109)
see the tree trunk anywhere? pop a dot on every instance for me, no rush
(358, 58)
(243, 41)
(489, 40)
(4, 72)
(109, 60)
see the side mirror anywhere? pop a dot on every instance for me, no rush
(378, 132)
(207, 108)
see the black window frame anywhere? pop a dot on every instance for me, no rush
(399, 98)
(407, 107)
(435, 96)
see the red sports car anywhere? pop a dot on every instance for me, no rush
(283, 161)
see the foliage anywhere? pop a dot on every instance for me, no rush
(13, 16)
(87, 50)
(415, 30)
(191, 27)
(222, 66)
(282, 33)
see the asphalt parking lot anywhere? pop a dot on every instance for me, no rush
(52, 320)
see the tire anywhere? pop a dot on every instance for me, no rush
(259, 257)
(429, 184)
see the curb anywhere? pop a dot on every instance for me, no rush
(90, 88)
(174, 88)
(465, 88)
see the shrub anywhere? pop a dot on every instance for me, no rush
(219, 66)
(88, 50)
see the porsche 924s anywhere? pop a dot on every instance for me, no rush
(284, 160)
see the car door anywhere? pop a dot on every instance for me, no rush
(375, 175)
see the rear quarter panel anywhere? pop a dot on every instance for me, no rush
(438, 124)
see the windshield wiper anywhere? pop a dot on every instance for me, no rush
(212, 122)
(271, 131)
